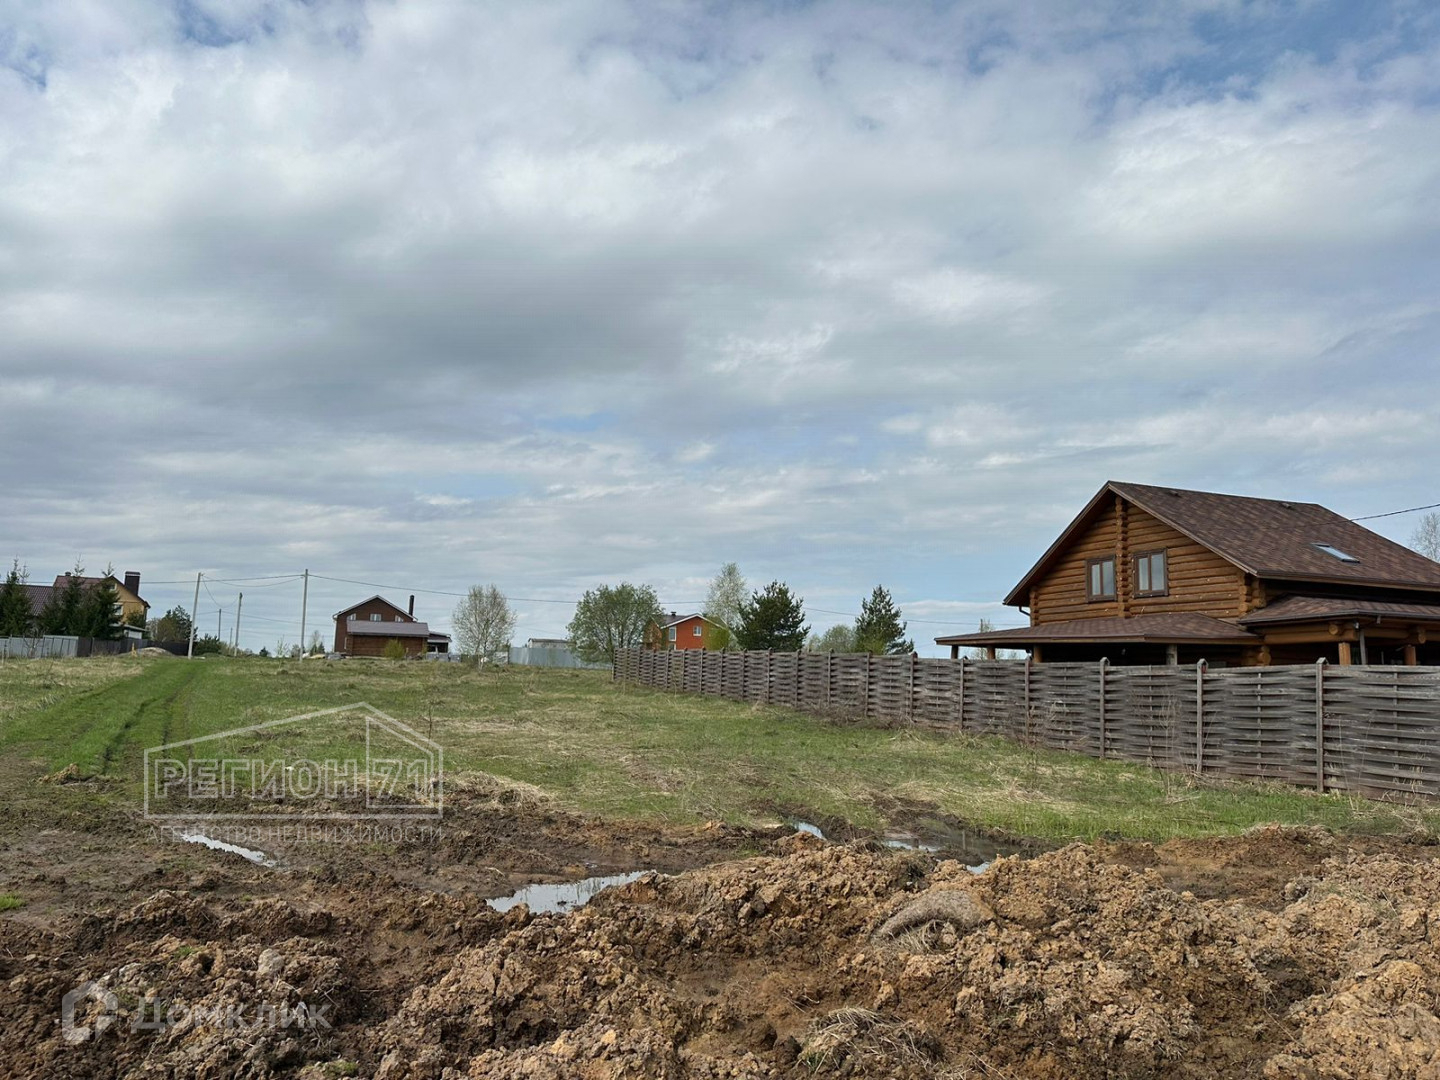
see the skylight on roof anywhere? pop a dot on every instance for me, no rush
(1336, 553)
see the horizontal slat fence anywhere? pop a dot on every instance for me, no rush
(1370, 730)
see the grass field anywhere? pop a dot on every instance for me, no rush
(624, 752)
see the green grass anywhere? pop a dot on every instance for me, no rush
(9, 902)
(625, 752)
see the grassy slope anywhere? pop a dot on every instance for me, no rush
(626, 752)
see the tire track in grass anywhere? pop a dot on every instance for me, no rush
(164, 703)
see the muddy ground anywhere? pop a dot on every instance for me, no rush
(750, 953)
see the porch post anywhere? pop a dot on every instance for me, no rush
(1345, 660)
(954, 652)
(1410, 657)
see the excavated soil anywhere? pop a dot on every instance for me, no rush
(1278, 954)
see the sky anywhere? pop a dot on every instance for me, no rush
(551, 295)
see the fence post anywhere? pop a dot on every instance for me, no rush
(1104, 665)
(961, 725)
(1200, 668)
(829, 662)
(1028, 659)
(1320, 724)
(769, 676)
(744, 683)
(799, 699)
(866, 698)
(910, 697)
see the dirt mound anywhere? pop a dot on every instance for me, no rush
(854, 962)
(810, 959)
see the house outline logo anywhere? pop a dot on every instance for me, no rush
(75, 1034)
(424, 769)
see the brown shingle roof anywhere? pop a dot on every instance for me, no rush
(366, 628)
(1269, 538)
(1306, 608)
(1172, 627)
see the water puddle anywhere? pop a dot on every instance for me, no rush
(563, 895)
(259, 858)
(975, 850)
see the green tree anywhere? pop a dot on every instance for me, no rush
(97, 616)
(61, 613)
(209, 645)
(879, 629)
(16, 617)
(773, 618)
(174, 625)
(393, 650)
(840, 639)
(610, 618)
(722, 606)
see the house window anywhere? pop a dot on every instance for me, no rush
(399, 618)
(374, 618)
(695, 630)
(1150, 574)
(1100, 579)
(672, 633)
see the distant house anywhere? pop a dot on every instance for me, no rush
(367, 629)
(1155, 575)
(681, 632)
(127, 592)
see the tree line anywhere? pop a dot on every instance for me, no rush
(613, 617)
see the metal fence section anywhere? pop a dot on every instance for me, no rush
(1371, 730)
(58, 646)
(552, 656)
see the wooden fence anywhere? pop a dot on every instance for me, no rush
(1371, 730)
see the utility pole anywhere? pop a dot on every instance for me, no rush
(240, 603)
(304, 603)
(218, 612)
(194, 615)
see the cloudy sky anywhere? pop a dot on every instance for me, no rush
(555, 294)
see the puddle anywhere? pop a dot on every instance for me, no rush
(563, 895)
(259, 858)
(976, 850)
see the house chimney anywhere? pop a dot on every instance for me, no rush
(412, 605)
(132, 581)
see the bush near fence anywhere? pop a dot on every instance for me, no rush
(1370, 730)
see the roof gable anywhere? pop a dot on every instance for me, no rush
(1268, 538)
(393, 607)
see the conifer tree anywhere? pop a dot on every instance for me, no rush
(773, 618)
(879, 629)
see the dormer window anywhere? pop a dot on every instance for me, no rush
(1335, 553)
(375, 618)
(1100, 579)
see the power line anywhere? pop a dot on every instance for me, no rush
(1396, 513)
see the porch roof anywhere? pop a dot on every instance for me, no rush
(1179, 628)
(1295, 609)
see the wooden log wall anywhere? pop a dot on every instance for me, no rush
(1370, 730)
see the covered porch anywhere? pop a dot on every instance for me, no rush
(1137, 640)
(1301, 629)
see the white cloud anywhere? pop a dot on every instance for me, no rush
(553, 294)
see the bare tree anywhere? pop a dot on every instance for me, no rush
(1426, 537)
(722, 607)
(483, 622)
